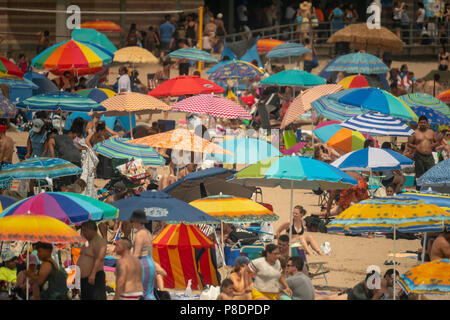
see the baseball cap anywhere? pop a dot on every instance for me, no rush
(37, 125)
(8, 255)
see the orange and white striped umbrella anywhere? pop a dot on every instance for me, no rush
(180, 139)
(302, 103)
(132, 102)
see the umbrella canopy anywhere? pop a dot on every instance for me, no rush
(118, 148)
(374, 159)
(185, 85)
(361, 37)
(427, 278)
(180, 139)
(288, 50)
(440, 199)
(437, 176)
(9, 68)
(79, 57)
(355, 81)
(231, 209)
(433, 116)
(5, 202)
(7, 109)
(39, 168)
(247, 151)
(425, 100)
(343, 139)
(359, 63)
(383, 214)
(16, 82)
(162, 207)
(294, 78)
(334, 110)
(132, 102)
(302, 102)
(379, 125)
(192, 54)
(69, 208)
(265, 45)
(212, 105)
(378, 100)
(293, 172)
(44, 84)
(60, 100)
(34, 228)
(206, 182)
(102, 26)
(444, 96)
(93, 36)
(134, 55)
(97, 94)
(235, 69)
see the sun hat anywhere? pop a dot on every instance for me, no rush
(37, 125)
(8, 255)
(138, 216)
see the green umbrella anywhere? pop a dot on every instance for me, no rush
(294, 78)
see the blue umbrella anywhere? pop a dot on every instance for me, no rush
(359, 63)
(248, 151)
(236, 69)
(437, 176)
(93, 36)
(334, 110)
(288, 50)
(192, 54)
(294, 78)
(18, 83)
(434, 116)
(44, 84)
(6, 201)
(440, 199)
(379, 125)
(160, 206)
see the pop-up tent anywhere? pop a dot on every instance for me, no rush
(245, 50)
(186, 253)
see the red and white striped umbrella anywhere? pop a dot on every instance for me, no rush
(302, 103)
(213, 105)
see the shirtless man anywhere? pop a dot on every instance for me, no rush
(91, 263)
(128, 273)
(6, 147)
(308, 57)
(423, 141)
(441, 247)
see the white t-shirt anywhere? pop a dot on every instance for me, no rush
(267, 276)
(124, 83)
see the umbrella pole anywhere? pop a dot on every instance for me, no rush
(370, 180)
(424, 247)
(28, 265)
(291, 218)
(131, 126)
(222, 243)
(395, 263)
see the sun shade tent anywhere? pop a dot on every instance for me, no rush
(245, 50)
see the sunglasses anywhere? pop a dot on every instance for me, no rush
(289, 265)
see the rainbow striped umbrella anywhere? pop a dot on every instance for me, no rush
(97, 94)
(355, 81)
(359, 63)
(425, 100)
(341, 138)
(9, 68)
(102, 26)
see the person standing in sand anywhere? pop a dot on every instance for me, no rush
(441, 247)
(91, 263)
(128, 273)
(6, 147)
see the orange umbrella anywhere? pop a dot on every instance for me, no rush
(355, 81)
(265, 45)
(102, 26)
(444, 96)
(180, 139)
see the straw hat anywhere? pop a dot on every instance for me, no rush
(138, 216)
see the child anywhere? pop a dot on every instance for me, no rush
(226, 290)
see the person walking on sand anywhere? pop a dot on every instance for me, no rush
(91, 263)
(128, 273)
(6, 147)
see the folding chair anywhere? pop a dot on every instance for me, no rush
(315, 269)
(253, 251)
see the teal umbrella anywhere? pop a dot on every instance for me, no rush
(288, 50)
(93, 36)
(294, 78)
(192, 54)
(358, 63)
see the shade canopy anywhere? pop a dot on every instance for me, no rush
(342, 139)
(102, 26)
(425, 100)
(437, 176)
(9, 68)
(433, 116)
(235, 70)
(355, 81)
(379, 125)
(265, 45)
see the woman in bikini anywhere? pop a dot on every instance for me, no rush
(298, 230)
(443, 59)
(242, 284)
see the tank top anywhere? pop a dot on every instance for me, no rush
(190, 32)
(55, 288)
(37, 143)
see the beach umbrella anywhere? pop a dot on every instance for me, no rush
(60, 101)
(16, 82)
(334, 110)
(425, 100)
(361, 37)
(39, 168)
(96, 94)
(102, 26)
(160, 206)
(44, 84)
(428, 278)
(9, 68)
(437, 176)
(288, 50)
(342, 139)
(185, 85)
(7, 109)
(118, 148)
(440, 199)
(5, 202)
(134, 55)
(235, 70)
(374, 99)
(212, 105)
(359, 63)
(444, 96)
(192, 54)
(302, 102)
(434, 117)
(265, 45)
(93, 36)
(379, 125)
(294, 78)
(78, 57)
(355, 81)
(208, 182)
(70, 208)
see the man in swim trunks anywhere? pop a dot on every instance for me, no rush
(91, 263)
(441, 247)
(128, 273)
(6, 147)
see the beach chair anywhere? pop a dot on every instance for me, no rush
(315, 269)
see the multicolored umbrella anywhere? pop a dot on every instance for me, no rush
(379, 125)
(355, 81)
(343, 139)
(440, 199)
(334, 110)
(118, 148)
(359, 63)
(427, 278)
(288, 50)
(378, 100)
(425, 100)
(70, 208)
(265, 45)
(444, 96)
(212, 105)
(185, 85)
(192, 54)
(96, 94)
(134, 55)
(235, 69)
(231, 209)
(78, 57)
(102, 26)
(60, 101)
(93, 36)
(433, 116)
(294, 78)
(9, 68)
(5, 202)
(437, 176)
(7, 109)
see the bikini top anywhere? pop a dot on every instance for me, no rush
(294, 231)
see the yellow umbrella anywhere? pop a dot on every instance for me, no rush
(134, 55)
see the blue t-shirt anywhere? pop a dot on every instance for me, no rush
(166, 30)
(338, 14)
